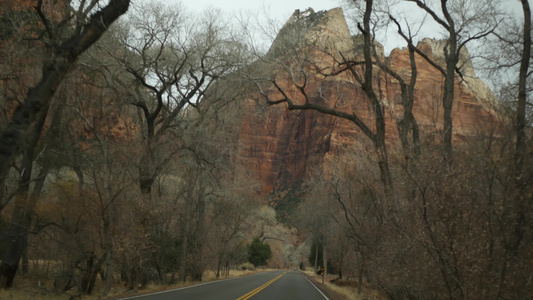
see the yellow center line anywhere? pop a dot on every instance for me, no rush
(257, 290)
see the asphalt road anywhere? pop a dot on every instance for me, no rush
(278, 285)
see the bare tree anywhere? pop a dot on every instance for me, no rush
(463, 24)
(109, 181)
(514, 65)
(510, 72)
(173, 60)
(361, 70)
(231, 217)
(65, 50)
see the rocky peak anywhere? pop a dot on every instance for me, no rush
(481, 92)
(280, 148)
(438, 48)
(326, 29)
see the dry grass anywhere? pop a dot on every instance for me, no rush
(345, 292)
(30, 295)
(29, 288)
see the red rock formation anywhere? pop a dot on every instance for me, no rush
(280, 147)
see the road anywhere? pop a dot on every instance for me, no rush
(279, 285)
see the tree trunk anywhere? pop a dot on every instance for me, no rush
(522, 92)
(88, 279)
(106, 220)
(452, 58)
(24, 210)
(37, 101)
(108, 254)
(126, 272)
(146, 171)
(220, 259)
(38, 97)
(184, 237)
(25, 262)
(360, 283)
(519, 182)
(379, 141)
(81, 181)
(16, 243)
(341, 260)
(39, 182)
(199, 236)
(360, 272)
(160, 274)
(316, 258)
(325, 261)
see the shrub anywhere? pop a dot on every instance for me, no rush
(247, 266)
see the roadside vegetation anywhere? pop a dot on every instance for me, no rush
(118, 172)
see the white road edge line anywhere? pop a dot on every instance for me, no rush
(182, 288)
(325, 297)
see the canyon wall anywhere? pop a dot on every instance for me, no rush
(279, 148)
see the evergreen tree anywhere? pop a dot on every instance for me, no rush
(259, 252)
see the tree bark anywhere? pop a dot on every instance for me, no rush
(522, 94)
(24, 210)
(106, 220)
(147, 173)
(325, 261)
(316, 258)
(451, 55)
(381, 148)
(199, 235)
(360, 273)
(184, 237)
(519, 182)
(108, 256)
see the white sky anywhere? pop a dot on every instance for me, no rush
(281, 10)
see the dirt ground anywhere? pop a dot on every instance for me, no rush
(335, 292)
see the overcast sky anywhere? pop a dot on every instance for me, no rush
(282, 9)
(279, 8)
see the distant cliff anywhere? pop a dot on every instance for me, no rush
(279, 147)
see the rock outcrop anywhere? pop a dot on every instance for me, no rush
(280, 147)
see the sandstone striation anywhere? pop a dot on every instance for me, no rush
(280, 148)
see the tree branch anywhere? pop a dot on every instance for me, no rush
(53, 74)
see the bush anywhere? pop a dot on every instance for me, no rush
(247, 266)
(259, 253)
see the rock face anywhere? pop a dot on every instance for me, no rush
(279, 147)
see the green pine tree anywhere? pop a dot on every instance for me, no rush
(259, 252)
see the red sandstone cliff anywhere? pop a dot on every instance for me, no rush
(280, 147)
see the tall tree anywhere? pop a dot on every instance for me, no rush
(462, 23)
(259, 252)
(362, 72)
(64, 51)
(520, 125)
(173, 60)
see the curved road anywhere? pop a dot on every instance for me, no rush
(279, 285)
